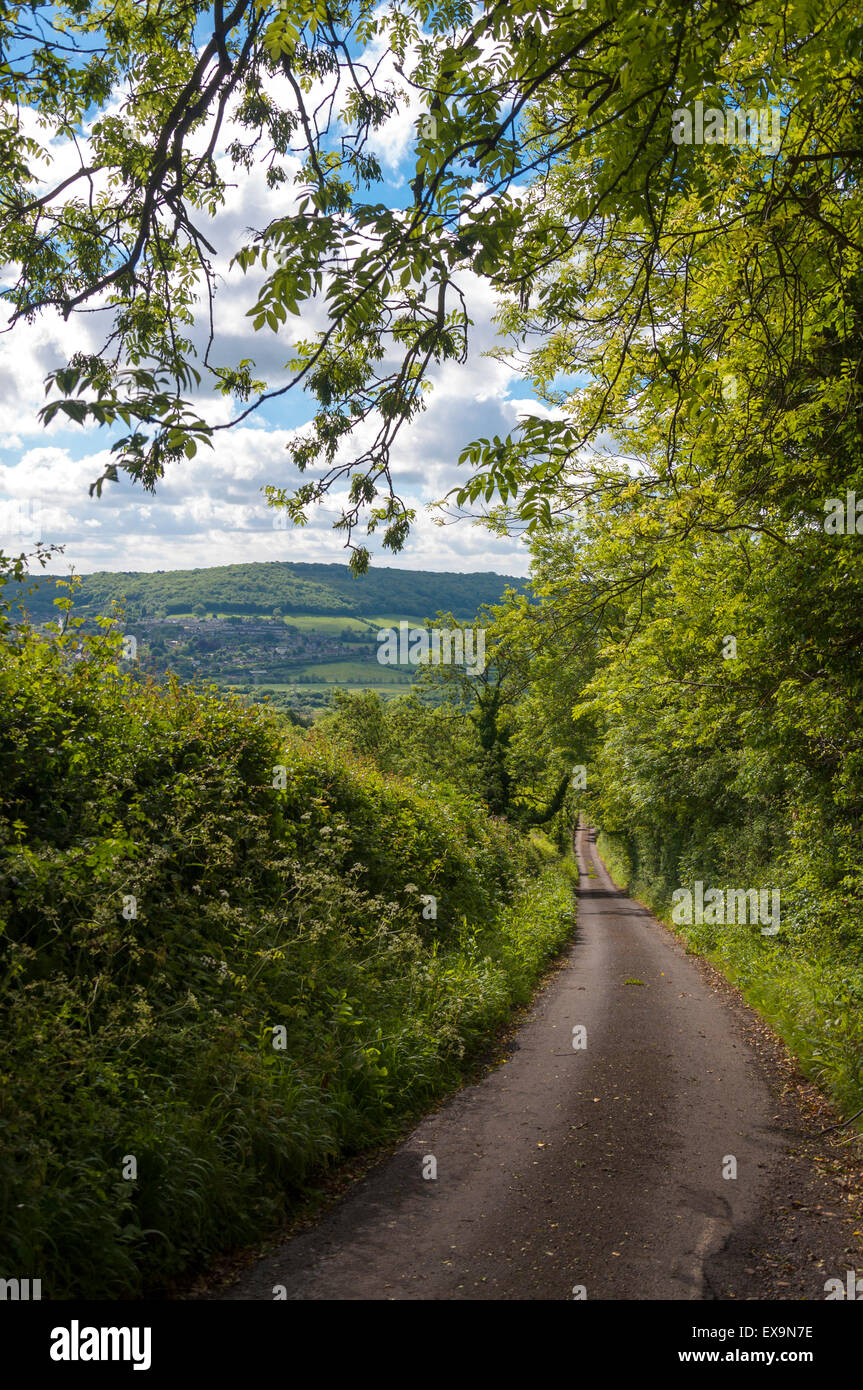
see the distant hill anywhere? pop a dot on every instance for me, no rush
(260, 588)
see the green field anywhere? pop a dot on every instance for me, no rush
(304, 622)
(315, 622)
(393, 620)
(265, 687)
(367, 672)
(313, 688)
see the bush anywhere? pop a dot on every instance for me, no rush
(224, 983)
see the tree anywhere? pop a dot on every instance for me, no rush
(519, 765)
(581, 100)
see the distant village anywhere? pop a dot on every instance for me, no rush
(239, 648)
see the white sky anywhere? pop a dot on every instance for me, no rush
(211, 510)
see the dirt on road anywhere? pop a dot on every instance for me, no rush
(602, 1160)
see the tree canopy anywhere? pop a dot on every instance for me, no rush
(545, 159)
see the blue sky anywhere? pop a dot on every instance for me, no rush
(211, 510)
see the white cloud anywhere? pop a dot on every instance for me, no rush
(211, 510)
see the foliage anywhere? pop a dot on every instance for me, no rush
(690, 318)
(698, 349)
(295, 588)
(145, 1028)
(483, 734)
(579, 99)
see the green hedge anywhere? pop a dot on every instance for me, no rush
(257, 907)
